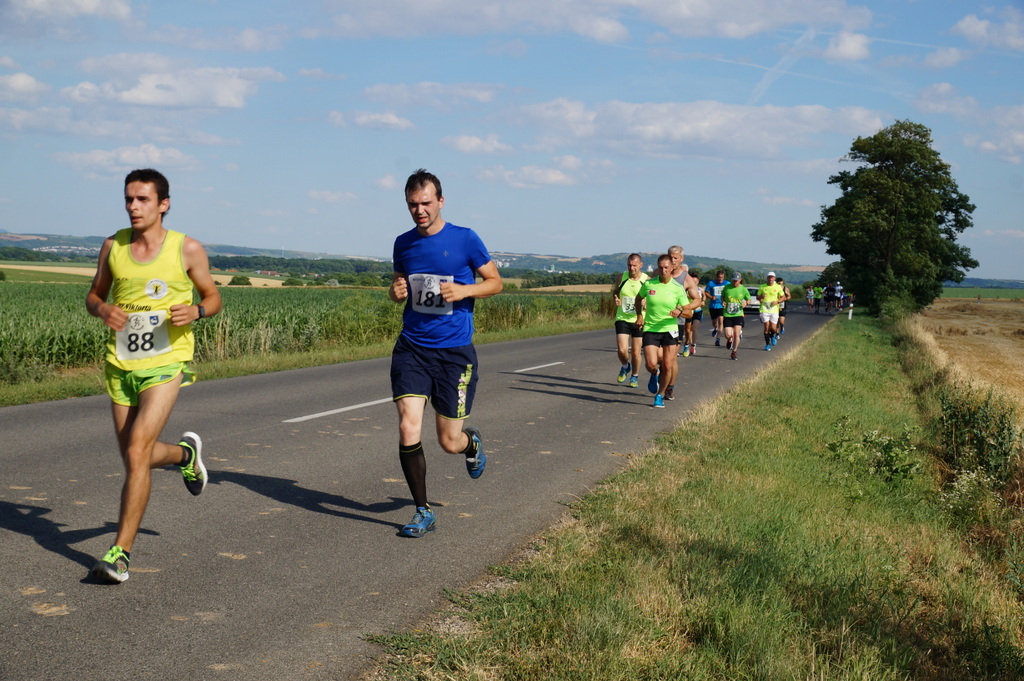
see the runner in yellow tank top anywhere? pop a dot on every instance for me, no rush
(149, 273)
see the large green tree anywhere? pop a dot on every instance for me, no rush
(896, 224)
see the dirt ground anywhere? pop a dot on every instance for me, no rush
(985, 340)
(90, 272)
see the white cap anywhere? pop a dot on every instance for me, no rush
(771, 274)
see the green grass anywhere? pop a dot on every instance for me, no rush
(53, 345)
(973, 293)
(741, 547)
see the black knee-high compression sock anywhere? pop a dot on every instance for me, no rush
(414, 465)
(470, 451)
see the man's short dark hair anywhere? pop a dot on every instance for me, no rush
(156, 178)
(420, 179)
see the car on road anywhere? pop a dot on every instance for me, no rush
(753, 305)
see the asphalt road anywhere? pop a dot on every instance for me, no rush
(291, 556)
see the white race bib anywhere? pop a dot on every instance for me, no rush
(733, 308)
(425, 292)
(628, 304)
(144, 335)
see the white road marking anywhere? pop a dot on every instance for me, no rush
(542, 366)
(310, 417)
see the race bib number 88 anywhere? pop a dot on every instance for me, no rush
(144, 335)
(425, 293)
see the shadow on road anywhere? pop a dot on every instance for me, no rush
(562, 386)
(28, 520)
(289, 492)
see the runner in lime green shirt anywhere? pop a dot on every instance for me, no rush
(628, 335)
(771, 295)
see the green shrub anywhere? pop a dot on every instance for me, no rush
(977, 431)
(239, 280)
(889, 458)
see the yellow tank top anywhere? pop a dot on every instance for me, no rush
(146, 292)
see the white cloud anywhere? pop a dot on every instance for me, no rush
(563, 171)
(62, 10)
(435, 95)
(943, 98)
(382, 121)
(1006, 35)
(21, 87)
(203, 87)
(336, 118)
(470, 144)
(704, 128)
(332, 197)
(848, 47)
(126, 158)
(944, 58)
(320, 74)
(7, 63)
(388, 182)
(244, 40)
(998, 131)
(604, 21)
(1014, 233)
(528, 177)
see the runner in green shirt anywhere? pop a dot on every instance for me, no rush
(734, 298)
(660, 303)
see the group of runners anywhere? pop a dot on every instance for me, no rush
(657, 318)
(152, 284)
(834, 297)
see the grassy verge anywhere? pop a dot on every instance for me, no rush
(89, 381)
(787, 531)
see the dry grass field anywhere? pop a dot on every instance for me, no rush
(985, 341)
(88, 272)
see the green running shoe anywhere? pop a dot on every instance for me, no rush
(113, 566)
(194, 471)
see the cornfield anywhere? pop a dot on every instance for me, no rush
(44, 327)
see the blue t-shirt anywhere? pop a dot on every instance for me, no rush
(453, 254)
(715, 289)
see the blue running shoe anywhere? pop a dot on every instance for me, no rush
(659, 401)
(475, 466)
(623, 372)
(714, 333)
(634, 381)
(718, 342)
(652, 384)
(768, 347)
(775, 339)
(422, 522)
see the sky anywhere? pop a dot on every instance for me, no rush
(568, 127)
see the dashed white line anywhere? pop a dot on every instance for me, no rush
(310, 417)
(542, 366)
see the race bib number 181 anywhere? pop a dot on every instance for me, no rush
(425, 292)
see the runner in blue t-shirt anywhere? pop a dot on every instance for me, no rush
(713, 294)
(435, 265)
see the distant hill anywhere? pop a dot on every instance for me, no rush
(74, 247)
